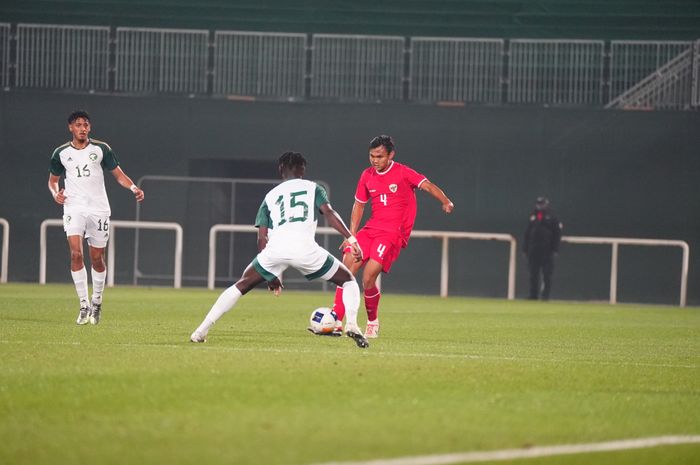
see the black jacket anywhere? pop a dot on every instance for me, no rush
(543, 233)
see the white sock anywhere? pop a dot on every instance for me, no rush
(81, 285)
(223, 304)
(98, 285)
(351, 300)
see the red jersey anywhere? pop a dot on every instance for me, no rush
(393, 198)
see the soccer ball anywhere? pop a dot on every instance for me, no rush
(323, 320)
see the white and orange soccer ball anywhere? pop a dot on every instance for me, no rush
(322, 320)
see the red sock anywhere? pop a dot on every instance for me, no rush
(372, 296)
(338, 306)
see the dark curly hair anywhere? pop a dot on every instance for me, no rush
(78, 114)
(384, 140)
(292, 160)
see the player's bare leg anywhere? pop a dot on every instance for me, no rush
(372, 295)
(226, 301)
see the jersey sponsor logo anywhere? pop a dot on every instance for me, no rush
(373, 190)
(393, 188)
(93, 156)
(70, 158)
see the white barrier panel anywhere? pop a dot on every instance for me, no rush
(554, 71)
(456, 70)
(445, 236)
(5, 249)
(617, 241)
(650, 74)
(357, 67)
(114, 224)
(4, 55)
(55, 56)
(264, 64)
(161, 60)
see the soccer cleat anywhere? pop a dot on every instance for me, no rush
(83, 316)
(356, 335)
(95, 313)
(198, 337)
(372, 330)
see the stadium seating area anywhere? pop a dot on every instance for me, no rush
(590, 19)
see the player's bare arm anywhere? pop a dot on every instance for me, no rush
(126, 182)
(262, 237)
(435, 191)
(56, 192)
(337, 223)
(358, 209)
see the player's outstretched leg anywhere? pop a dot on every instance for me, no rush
(223, 304)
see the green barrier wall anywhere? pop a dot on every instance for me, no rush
(608, 173)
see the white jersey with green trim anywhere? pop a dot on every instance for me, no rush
(290, 211)
(84, 177)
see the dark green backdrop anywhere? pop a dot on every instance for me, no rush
(608, 173)
(587, 19)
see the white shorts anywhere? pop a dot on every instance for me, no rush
(91, 226)
(313, 263)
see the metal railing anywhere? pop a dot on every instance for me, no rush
(114, 224)
(4, 55)
(444, 236)
(156, 191)
(651, 74)
(462, 70)
(557, 72)
(5, 249)
(615, 242)
(695, 93)
(62, 57)
(364, 68)
(161, 60)
(259, 64)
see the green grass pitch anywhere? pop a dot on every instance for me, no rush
(446, 375)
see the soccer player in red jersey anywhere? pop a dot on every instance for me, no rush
(390, 187)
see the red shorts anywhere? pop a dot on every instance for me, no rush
(381, 246)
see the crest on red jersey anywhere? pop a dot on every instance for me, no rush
(393, 188)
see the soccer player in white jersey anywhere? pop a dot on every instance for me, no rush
(86, 208)
(286, 223)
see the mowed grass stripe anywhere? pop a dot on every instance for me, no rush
(446, 376)
(374, 353)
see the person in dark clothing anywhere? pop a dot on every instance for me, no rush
(541, 245)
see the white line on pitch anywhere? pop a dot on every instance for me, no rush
(533, 452)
